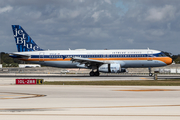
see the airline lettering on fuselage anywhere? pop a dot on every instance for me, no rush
(54, 53)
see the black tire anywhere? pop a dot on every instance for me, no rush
(96, 74)
(91, 73)
(150, 74)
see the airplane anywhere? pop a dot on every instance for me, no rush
(106, 61)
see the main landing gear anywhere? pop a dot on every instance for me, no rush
(150, 74)
(92, 73)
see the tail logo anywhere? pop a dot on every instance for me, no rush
(18, 32)
(23, 40)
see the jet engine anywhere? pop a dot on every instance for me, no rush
(111, 68)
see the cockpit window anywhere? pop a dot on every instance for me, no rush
(162, 55)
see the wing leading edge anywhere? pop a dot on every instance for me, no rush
(87, 62)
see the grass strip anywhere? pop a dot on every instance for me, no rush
(120, 83)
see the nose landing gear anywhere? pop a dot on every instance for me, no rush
(150, 74)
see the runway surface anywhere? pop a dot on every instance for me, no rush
(7, 79)
(19, 102)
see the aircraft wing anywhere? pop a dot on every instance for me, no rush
(87, 62)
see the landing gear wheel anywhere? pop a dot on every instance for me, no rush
(91, 73)
(150, 74)
(96, 73)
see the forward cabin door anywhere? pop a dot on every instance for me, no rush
(150, 55)
(106, 56)
(41, 57)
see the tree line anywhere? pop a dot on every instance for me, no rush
(7, 61)
(175, 58)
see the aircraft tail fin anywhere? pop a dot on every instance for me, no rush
(23, 41)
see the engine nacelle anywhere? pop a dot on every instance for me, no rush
(111, 68)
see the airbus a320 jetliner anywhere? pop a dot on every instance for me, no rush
(107, 61)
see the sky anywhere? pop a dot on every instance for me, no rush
(93, 24)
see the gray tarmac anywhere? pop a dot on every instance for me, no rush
(19, 102)
(9, 79)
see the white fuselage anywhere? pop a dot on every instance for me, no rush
(131, 58)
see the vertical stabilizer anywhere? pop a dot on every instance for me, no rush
(23, 40)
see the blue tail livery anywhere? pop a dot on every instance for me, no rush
(23, 40)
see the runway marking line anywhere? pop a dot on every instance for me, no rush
(21, 95)
(129, 106)
(149, 90)
(90, 115)
(51, 108)
(144, 78)
(14, 95)
(80, 79)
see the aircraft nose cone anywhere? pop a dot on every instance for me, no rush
(170, 61)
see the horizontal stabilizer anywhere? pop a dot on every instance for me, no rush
(18, 56)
